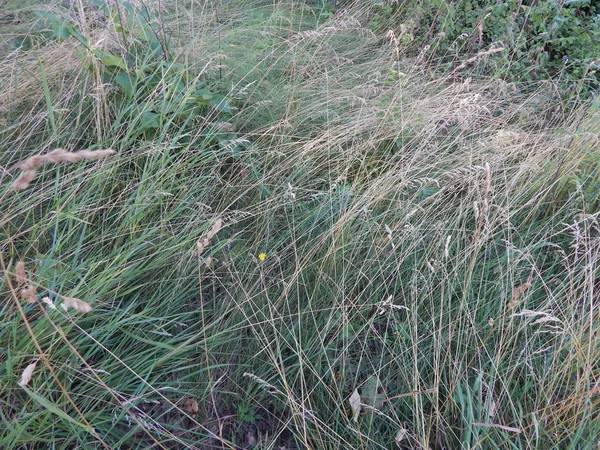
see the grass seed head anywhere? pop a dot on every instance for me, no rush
(48, 302)
(31, 165)
(205, 241)
(27, 374)
(29, 294)
(20, 274)
(23, 180)
(517, 293)
(76, 304)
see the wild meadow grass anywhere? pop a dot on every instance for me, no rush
(348, 223)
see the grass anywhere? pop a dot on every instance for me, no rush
(428, 241)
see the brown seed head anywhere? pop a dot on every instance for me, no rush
(20, 274)
(29, 294)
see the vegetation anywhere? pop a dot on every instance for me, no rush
(284, 225)
(553, 40)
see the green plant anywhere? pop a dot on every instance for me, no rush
(540, 40)
(247, 413)
(142, 70)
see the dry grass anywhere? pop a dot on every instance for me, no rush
(431, 239)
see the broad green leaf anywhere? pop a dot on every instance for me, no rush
(220, 103)
(370, 393)
(126, 81)
(204, 94)
(149, 119)
(110, 60)
(58, 26)
(129, 8)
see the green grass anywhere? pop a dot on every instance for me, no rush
(401, 216)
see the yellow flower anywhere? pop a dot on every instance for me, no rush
(262, 256)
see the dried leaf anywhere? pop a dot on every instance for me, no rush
(355, 405)
(492, 408)
(215, 229)
(225, 127)
(205, 241)
(27, 374)
(250, 438)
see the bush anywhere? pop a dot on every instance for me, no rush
(540, 40)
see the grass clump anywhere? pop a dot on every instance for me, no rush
(309, 241)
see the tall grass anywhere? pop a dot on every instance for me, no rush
(429, 242)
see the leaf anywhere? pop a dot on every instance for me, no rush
(49, 302)
(371, 394)
(110, 60)
(190, 406)
(220, 104)
(29, 294)
(77, 35)
(129, 8)
(126, 81)
(54, 409)
(204, 94)
(205, 242)
(20, 274)
(577, 2)
(55, 22)
(61, 29)
(76, 304)
(149, 119)
(355, 405)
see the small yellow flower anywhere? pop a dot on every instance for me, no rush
(262, 256)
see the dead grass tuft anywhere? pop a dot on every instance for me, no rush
(58, 61)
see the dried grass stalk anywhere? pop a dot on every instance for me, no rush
(20, 274)
(491, 51)
(76, 304)
(29, 294)
(30, 166)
